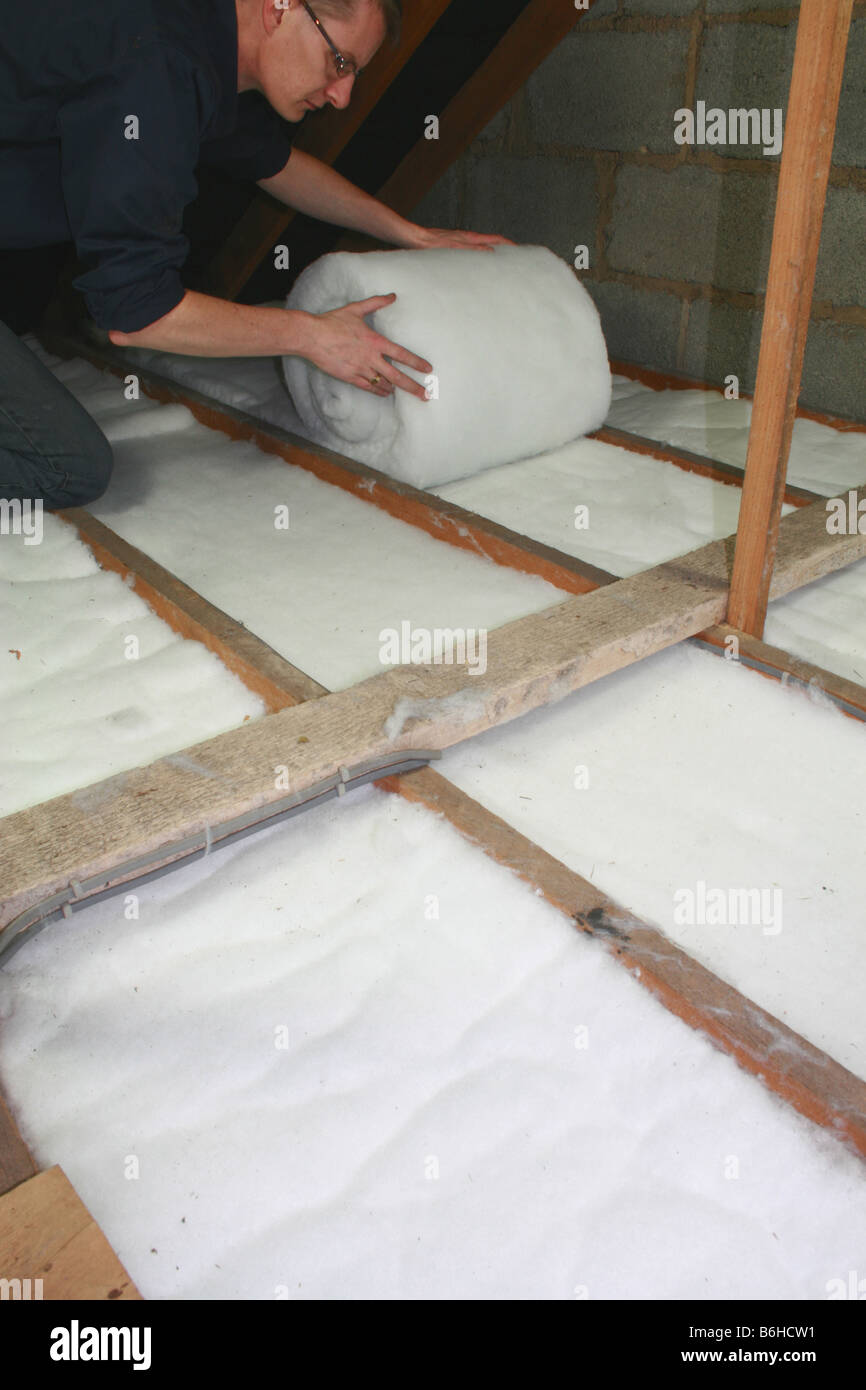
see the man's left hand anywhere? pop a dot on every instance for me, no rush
(436, 238)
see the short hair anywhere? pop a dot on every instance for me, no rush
(392, 12)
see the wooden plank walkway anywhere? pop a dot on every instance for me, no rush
(48, 1235)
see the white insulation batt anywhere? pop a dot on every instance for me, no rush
(515, 342)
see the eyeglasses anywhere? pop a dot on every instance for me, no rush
(345, 67)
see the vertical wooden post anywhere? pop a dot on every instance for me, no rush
(810, 123)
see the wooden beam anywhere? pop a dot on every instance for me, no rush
(800, 1073)
(47, 1233)
(693, 463)
(324, 135)
(534, 661)
(819, 57)
(535, 33)
(780, 665)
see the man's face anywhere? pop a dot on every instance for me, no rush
(296, 67)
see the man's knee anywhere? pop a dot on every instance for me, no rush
(100, 465)
(82, 477)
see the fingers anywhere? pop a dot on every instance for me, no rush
(401, 354)
(382, 387)
(369, 306)
(389, 377)
(407, 383)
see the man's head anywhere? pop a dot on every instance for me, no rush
(286, 48)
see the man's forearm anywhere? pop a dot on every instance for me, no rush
(202, 326)
(310, 186)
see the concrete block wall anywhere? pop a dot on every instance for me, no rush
(678, 236)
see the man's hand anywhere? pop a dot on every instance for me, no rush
(339, 342)
(344, 346)
(434, 238)
(310, 186)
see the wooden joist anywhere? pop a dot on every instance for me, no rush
(819, 57)
(720, 472)
(443, 520)
(801, 1074)
(846, 695)
(531, 662)
(658, 380)
(261, 669)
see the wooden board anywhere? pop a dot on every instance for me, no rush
(819, 58)
(807, 1078)
(534, 661)
(47, 1233)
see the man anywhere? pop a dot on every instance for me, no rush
(106, 108)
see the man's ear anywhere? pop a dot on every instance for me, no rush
(273, 11)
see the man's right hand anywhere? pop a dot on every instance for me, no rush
(344, 346)
(339, 342)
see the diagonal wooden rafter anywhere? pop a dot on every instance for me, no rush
(539, 28)
(535, 33)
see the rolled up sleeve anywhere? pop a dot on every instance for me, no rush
(129, 147)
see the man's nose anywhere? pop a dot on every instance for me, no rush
(339, 92)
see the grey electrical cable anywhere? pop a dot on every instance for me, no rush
(81, 893)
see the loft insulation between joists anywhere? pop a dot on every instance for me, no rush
(334, 1091)
(330, 1092)
(92, 682)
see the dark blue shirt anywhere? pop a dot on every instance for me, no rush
(106, 108)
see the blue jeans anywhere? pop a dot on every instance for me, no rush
(50, 448)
